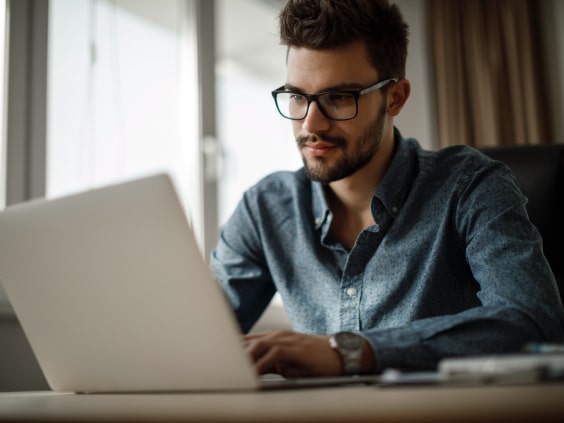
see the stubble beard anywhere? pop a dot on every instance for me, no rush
(326, 170)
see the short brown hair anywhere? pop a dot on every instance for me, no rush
(325, 24)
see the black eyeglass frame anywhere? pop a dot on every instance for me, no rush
(315, 97)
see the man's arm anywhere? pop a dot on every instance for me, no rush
(518, 295)
(239, 266)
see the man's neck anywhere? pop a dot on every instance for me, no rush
(354, 192)
(350, 198)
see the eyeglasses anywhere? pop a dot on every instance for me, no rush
(334, 105)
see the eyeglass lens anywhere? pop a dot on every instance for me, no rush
(334, 105)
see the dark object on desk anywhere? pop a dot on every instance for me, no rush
(539, 170)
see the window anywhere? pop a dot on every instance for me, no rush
(122, 95)
(255, 140)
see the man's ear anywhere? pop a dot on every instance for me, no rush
(397, 96)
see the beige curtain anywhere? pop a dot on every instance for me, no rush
(487, 61)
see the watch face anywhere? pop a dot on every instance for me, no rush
(348, 340)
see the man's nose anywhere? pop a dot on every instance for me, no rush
(315, 121)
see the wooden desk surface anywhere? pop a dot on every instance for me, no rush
(525, 403)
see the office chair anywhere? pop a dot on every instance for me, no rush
(539, 170)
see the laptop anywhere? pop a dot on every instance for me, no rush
(114, 295)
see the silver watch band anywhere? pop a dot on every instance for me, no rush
(349, 346)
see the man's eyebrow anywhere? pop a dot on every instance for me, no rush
(343, 86)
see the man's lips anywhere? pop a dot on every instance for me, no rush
(318, 148)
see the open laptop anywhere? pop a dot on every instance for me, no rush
(114, 296)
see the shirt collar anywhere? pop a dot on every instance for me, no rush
(321, 212)
(397, 181)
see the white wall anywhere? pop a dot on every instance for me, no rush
(418, 119)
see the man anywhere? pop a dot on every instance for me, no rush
(385, 255)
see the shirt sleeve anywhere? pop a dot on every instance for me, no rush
(240, 268)
(518, 294)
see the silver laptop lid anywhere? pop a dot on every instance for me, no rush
(113, 294)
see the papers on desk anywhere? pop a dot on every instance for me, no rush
(495, 369)
(515, 368)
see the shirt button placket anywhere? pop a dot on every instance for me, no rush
(350, 303)
(350, 291)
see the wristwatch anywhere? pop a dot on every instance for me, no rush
(349, 347)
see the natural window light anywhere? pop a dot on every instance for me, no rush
(122, 98)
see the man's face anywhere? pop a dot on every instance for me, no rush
(333, 150)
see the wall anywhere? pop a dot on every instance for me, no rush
(417, 119)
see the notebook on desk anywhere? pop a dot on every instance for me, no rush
(114, 295)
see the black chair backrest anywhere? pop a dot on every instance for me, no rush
(539, 170)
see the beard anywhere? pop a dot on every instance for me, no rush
(351, 158)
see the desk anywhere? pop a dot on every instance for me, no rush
(525, 403)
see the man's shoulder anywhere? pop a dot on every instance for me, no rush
(280, 197)
(456, 160)
(281, 181)
(464, 154)
(459, 172)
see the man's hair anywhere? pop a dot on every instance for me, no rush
(326, 24)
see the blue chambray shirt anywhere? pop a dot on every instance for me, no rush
(451, 267)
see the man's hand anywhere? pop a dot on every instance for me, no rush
(293, 354)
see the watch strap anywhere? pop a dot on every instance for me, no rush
(349, 346)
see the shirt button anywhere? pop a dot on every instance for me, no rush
(395, 209)
(351, 292)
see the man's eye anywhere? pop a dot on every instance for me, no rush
(297, 98)
(339, 97)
